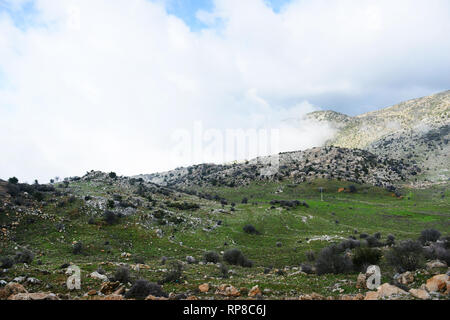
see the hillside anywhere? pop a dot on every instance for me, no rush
(119, 229)
(416, 131)
(332, 163)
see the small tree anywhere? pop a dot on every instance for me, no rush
(13, 180)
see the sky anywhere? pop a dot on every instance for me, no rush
(140, 86)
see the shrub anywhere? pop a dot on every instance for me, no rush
(112, 175)
(6, 263)
(122, 275)
(390, 240)
(24, 256)
(377, 235)
(77, 248)
(138, 259)
(364, 257)
(235, 257)
(174, 274)
(437, 251)
(331, 260)
(250, 229)
(310, 255)
(223, 270)
(372, 242)
(211, 256)
(244, 201)
(141, 289)
(406, 256)
(429, 235)
(110, 217)
(110, 204)
(307, 268)
(348, 244)
(13, 180)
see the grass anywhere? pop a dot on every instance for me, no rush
(369, 210)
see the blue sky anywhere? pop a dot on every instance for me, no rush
(184, 9)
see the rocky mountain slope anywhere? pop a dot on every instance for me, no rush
(405, 142)
(331, 163)
(416, 131)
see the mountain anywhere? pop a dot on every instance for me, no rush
(332, 163)
(416, 131)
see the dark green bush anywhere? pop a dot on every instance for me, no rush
(211, 256)
(250, 229)
(141, 289)
(174, 274)
(6, 262)
(408, 255)
(429, 235)
(24, 256)
(122, 275)
(332, 260)
(364, 257)
(235, 257)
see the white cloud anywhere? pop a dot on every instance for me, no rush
(97, 84)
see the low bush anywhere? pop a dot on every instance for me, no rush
(211, 256)
(390, 240)
(307, 268)
(429, 235)
(122, 275)
(174, 274)
(250, 229)
(77, 248)
(408, 255)
(235, 257)
(332, 260)
(6, 262)
(24, 256)
(364, 257)
(111, 218)
(141, 289)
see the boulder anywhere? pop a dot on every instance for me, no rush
(228, 290)
(406, 278)
(384, 291)
(10, 289)
(203, 288)
(113, 297)
(96, 275)
(109, 287)
(436, 264)
(255, 291)
(34, 296)
(361, 281)
(387, 290)
(438, 283)
(420, 294)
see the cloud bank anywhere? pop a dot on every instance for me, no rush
(98, 84)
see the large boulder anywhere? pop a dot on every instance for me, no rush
(420, 294)
(436, 264)
(255, 291)
(385, 291)
(10, 289)
(34, 296)
(438, 283)
(228, 290)
(361, 281)
(406, 278)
